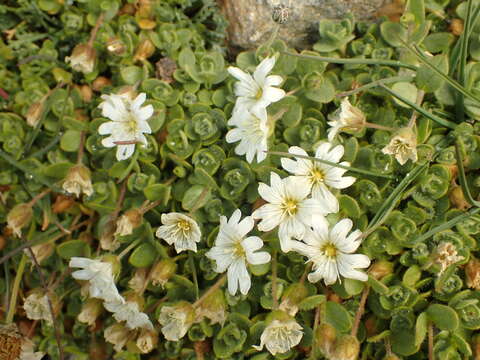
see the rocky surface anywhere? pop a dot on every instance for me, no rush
(251, 20)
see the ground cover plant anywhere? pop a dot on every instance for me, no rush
(162, 197)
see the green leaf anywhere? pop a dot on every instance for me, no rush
(377, 286)
(337, 316)
(143, 255)
(349, 206)
(195, 197)
(411, 276)
(421, 328)
(311, 302)
(444, 317)
(158, 192)
(70, 141)
(72, 248)
(131, 74)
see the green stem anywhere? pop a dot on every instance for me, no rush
(353, 169)
(128, 248)
(191, 260)
(462, 177)
(353, 61)
(16, 286)
(372, 84)
(445, 226)
(212, 289)
(422, 111)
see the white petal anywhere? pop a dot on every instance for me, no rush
(273, 80)
(106, 128)
(239, 74)
(273, 94)
(321, 193)
(271, 216)
(340, 230)
(263, 69)
(145, 112)
(125, 151)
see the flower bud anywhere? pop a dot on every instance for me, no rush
(213, 307)
(380, 269)
(100, 82)
(176, 320)
(281, 333)
(107, 239)
(457, 198)
(91, 310)
(291, 297)
(116, 46)
(3, 242)
(347, 117)
(472, 272)
(147, 340)
(144, 50)
(403, 146)
(139, 281)
(85, 92)
(346, 348)
(162, 271)
(41, 252)
(325, 337)
(83, 58)
(118, 335)
(35, 112)
(62, 203)
(280, 14)
(19, 217)
(129, 91)
(128, 222)
(456, 27)
(144, 15)
(78, 180)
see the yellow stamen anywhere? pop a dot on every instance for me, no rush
(330, 250)
(317, 175)
(290, 206)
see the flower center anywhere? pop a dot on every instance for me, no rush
(317, 175)
(330, 250)
(184, 226)
(259, 94)
(238, 250)
(290, 206)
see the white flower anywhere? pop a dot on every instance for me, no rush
(280, 336)
(147, 341)
(347, 117)
(78, 180)
(233, 251)
(180, 230)
(288, 208)
(129, 122)
(118, 335)
(330, 251)
(100, 277)
(445, 255)
(130, 313)
(176, 320)
(256, 93)
(126, 223)
(319, 176)
(252, 132)
(403, 145)
(37, 308)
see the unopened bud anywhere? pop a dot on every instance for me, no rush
(280, 14)
(472, 272)
(380, 269)
(139, 281)
(116, 46)
(162, 272)
(83, 58)
(325, 337)
(144, 50)
(457, 198)
(147, 341)
(19, 217)
(3, 242)
(128, 222)
(62, 203)
(291, 297)
(35, 112)
(128, 91)
(85, 92)
(41, 252)
(346, 348)
(91, 310)
(144, 15)
(78, 180)
(100, 82)
(456, 27)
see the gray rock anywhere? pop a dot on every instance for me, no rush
(251, 21)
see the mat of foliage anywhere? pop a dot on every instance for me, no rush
(412, 145)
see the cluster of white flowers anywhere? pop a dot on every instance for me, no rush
(254, 94)
(99, 275)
